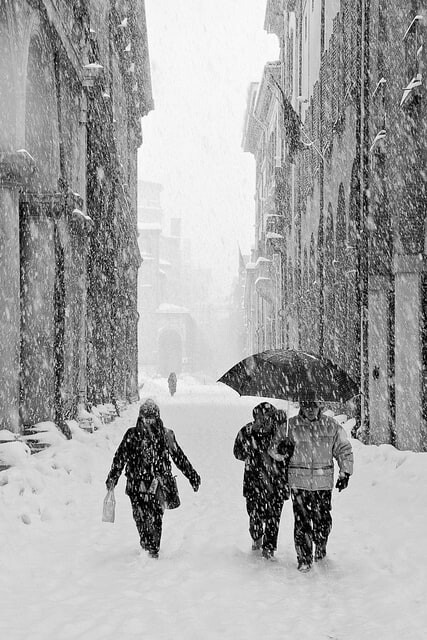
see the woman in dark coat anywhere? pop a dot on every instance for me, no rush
(146, 451)
(265, 485)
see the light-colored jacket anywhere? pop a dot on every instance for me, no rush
(316, 444)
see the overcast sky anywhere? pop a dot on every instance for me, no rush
(204, 54)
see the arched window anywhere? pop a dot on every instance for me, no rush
(41, 112)
(7, 75)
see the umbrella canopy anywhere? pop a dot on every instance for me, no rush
(292, 375)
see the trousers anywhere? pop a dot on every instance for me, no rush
(148, 516)
(312, 521)
(264, 518)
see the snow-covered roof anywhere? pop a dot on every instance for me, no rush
(262, 259)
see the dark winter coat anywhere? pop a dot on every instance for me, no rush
(264, 477)
(172, 383)
(146, 459)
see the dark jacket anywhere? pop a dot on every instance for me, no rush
(264, 477)
(147, 461)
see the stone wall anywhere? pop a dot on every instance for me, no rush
(74, 83)
(355, 240)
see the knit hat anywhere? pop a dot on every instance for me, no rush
(149, 409)
(263, 410)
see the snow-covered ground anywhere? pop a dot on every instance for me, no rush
(64, 574)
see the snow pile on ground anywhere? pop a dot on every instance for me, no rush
(65, 574)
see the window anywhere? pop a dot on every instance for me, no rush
(413, 42)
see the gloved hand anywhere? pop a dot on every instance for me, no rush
(110, 485)
(195, 481)
(342, 481)
(286, 448)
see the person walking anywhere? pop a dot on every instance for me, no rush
(318, 440)
(146, 450)
(265, 484)
(172, 383)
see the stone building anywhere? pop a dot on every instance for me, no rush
(74, 83)
(166, 327)
(352, 154)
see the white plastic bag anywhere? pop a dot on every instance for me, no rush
(108, 512)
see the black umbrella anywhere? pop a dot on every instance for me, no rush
(291, 375)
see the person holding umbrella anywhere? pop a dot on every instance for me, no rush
(146, 451)
(265, 484)
(318, 440)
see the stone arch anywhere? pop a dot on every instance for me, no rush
(41, 250)
(7, 74)
(41, 110)
(170, 350)
(330, 284)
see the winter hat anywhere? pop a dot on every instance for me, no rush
(149, 409)
(263, 410)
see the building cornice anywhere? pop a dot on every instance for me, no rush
(267, 91)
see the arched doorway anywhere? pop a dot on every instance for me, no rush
(41, 255)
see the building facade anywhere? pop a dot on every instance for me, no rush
(74, 83)
(352, 208)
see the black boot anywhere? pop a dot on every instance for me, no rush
(320, 552)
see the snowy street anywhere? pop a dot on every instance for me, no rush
(67, 575)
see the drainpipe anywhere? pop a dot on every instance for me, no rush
(82, 399)
(363, 257)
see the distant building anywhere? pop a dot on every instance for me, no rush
(347, 278)
(74, 83)
(166, 327)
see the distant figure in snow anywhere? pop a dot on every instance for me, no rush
(172, 383)
(146, 450)
(317, 440)
(265, 485)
